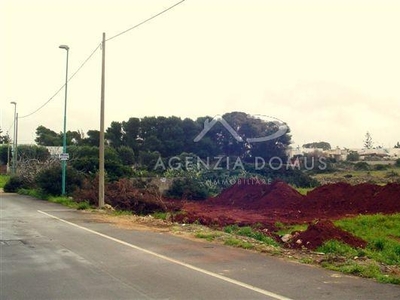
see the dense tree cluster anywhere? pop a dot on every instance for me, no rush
(150, 137)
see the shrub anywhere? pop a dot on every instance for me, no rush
(50, 180)
(380, 167)
(397, 164)
(86, 159)
(122, 195)
(353, 156)
(361, 166)
(14, 184)
(187, 188)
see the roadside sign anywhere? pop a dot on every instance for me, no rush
(64, 156)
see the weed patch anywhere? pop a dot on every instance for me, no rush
(251, 233)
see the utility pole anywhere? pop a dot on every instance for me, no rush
(101, 146)
(16, 145)
(14, 149)
(64, 153)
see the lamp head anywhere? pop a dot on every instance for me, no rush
(64, 47)
(12, 102)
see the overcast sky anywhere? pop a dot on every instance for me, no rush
(330, 69)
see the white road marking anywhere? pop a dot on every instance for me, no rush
(215, 275)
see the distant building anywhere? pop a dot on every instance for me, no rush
(338, 154)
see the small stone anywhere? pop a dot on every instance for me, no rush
(286, 238)
(108, 207)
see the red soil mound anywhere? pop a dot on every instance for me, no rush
(253, 201)
(317, 234)
(387, 200)
(258, 196)
(336, 200)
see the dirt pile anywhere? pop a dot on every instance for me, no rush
(328, 201)
(245, 202)
(340, 199)
(259, 196)
(317, 234)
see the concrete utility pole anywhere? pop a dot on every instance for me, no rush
(14, 150)
(64, 154)
(101, 146)
(16, 144)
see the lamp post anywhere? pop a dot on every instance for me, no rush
(64, 155)
(14, 157)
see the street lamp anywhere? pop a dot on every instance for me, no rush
(64, 155)
(14, 164)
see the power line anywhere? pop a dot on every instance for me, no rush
(113, 37)
(145, 21)
(60, 89)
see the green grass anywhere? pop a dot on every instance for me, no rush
(122, 212)
(338, 248)
(70, 203)
(66, 201)
(382, 232)
(251, 233)
(390, 171)
(209, 236)
(3, 180)
(33, 193)
(289, 228)
(160, 215)
(235, 242)
(304, 191)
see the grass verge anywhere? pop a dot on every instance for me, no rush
(3, 180)
(63, 200)
(379, 260)
(250, 232)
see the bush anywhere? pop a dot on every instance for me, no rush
(353, 156)
(187, 188)
(86, 159)
(14, 184)
(397, 164)
(361, 166)
(122, 195)
(380, 167)
(50, 180)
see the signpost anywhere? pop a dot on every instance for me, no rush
(64, 156)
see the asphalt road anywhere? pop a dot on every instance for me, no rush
(52, 252)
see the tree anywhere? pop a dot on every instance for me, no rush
(368, 141)
(85, 159)
(319, 145)
(353, 156)
(47, 137)
(4, 139)
(131, 133)
(74, 137)
(222, 142)
(29, 152)
(92, 139)
(397, 145)
(114, 134)
(126, 155)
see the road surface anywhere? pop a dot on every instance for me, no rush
(52, 252)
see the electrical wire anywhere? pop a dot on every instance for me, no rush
(145, 21)
(113, 37)
(62, 87)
